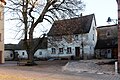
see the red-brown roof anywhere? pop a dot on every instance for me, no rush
(77, 25)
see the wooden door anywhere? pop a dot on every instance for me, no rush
(77, 51)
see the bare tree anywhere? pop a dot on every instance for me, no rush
(29, 13)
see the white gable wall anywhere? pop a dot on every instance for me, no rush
(8, 55)
(41, 53)
(22, 53)
(92, 39)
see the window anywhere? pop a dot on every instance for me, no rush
(11, 55)
(60, 50)
(90, 47)
(69, 50)
(93, 37)
(23, 53)
(53, 50)
(93, 28)
(40, 53)
(108, 33)
(76, 37)
(109, 51)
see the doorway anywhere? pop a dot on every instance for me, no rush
(77, 51)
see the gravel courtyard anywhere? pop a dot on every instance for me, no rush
(56, 70)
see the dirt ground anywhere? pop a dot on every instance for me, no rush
(45, 70)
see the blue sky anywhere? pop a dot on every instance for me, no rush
(101, 8)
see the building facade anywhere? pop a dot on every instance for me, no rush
(107, 42)
(74, 37)
(15, 51)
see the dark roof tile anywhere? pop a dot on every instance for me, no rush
(72, 26)
(107, 41)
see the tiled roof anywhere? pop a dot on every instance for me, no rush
(20, 45)
(104, 30)
(108, 43)
(10, 46)
(104, 40)
(77, 25)
(35, 43)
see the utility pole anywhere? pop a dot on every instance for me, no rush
(118, 2)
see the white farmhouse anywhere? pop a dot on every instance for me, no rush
(41, 52)
(39, 43)
(20, 50)
(13, 51)
(9, 51)
(74, 37)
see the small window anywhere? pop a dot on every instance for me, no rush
(90, 47)
(76, 37)
(69, 50)
(60, 50)
(11, 55)
(93, 37)
(93, 28)
(40, 53)
(23, 53)
(53, 50)
(108, 33)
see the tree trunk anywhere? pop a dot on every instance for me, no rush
(30, 50)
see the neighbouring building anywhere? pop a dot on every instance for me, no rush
(9, 51)
(42, 52)
(107, 42)
(12, 51)
(2, 3)
(74, 37)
